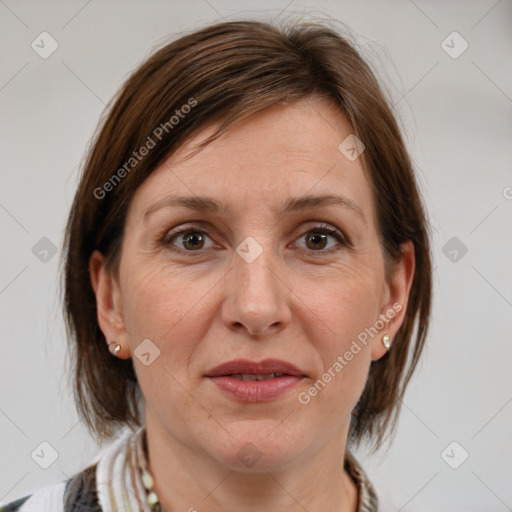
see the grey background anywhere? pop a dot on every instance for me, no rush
(456, 115)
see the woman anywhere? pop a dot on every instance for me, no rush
(247, 257)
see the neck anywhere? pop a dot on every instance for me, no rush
(185, 479)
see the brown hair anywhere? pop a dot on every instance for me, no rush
(225, 73)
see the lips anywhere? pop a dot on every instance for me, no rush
(245, 367)
(249, 381)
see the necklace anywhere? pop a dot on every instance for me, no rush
(147, 479)
(151, 498)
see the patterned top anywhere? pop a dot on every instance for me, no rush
(83, 493)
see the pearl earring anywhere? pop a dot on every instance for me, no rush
(386, 341)
(117, 348)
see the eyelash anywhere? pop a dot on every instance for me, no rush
(321, 229)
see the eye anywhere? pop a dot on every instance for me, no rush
(188, 239)
(317, 239)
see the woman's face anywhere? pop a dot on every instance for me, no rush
(253, 277)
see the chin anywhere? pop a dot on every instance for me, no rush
(255, 450)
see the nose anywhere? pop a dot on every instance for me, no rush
(257, 296)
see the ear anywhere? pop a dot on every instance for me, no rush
(108, 305)
(395, 297)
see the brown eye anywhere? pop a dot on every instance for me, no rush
(317, 239)
(193, 240)
(186, 239)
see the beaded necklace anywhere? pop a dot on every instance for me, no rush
(147, 479)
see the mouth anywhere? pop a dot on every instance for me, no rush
(249, 376)
(248, 381)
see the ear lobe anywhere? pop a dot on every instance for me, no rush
(110, 318)
(397, 296)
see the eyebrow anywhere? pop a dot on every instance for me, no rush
(294, 204)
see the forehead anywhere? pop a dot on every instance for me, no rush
(284, 151)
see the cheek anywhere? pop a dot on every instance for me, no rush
(168, 307)
(157, 300)
(343, 304)
(340, 311)
(163, 307)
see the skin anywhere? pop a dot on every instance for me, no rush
(303, 300)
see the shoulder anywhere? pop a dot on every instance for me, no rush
(15, 505)
(81, 492)
(78, 493)
(48, 498)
